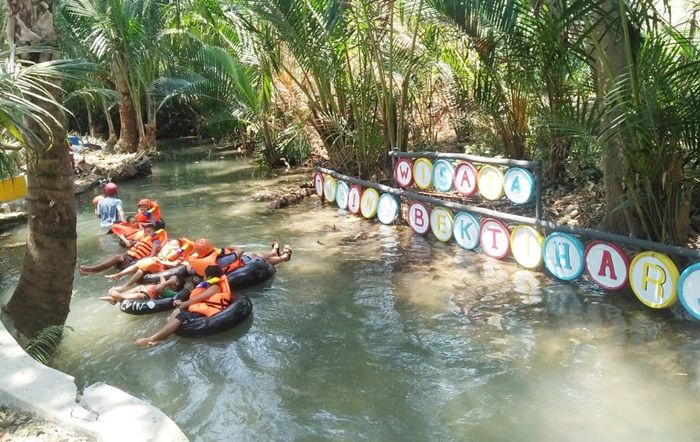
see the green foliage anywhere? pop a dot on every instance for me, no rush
(44, 345)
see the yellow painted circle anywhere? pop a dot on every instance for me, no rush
(490, 181)
(329, 188)
(422, 172)
(441, 223)
(369, 203)
(526, 246)
(654, 279)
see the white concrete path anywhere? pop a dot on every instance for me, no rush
(104, 412)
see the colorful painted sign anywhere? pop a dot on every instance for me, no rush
(495, 238)
(422, 172)
(443, 171)
(441, 223)
(490, 181)
(354, 197)
(466, 230)
(419, 218)
(341, 195)
(519, 185)
(689, 290)
(526, 246)
(607, 264)
(403, 172)
(13, 188)
(369, 203)
(653, 278)
(563, 256)
(329, 188)
(318, 183)
(388, 209)
(465, 178)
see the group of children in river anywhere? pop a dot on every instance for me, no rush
(150, 251)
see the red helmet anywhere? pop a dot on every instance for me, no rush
(110, 189)
(144, 202)
(202, 247)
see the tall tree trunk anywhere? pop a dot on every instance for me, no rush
(610, 63)
(43, 294)
(129, 134)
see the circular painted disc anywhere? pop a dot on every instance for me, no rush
(519, 185)
(563, 256)
(318, 183)
(369, 203)
(443, 172)
(466, 178)
(441, 223)
(607, 264)
(653, 278)
(341, 195)
(388, 208)
(419, 218)
(526, 246)
(490, 181)
(466, 230)
(494, 237)
(329, 188)
(422, 172)
(689, 290)
(403, 172)
(354, 198)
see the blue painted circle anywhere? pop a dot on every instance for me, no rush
(529, 182)
(443, 171)
(387, 209)
(341, 195)
(577, 257)
(687, 298)
(466, 230)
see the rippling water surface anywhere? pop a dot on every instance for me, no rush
(371, 333)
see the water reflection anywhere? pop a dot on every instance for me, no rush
(373, 333)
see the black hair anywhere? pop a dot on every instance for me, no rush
(213, 271)
(130, 217)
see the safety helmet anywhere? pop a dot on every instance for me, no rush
(202, 247)
(110, 189)
(144, 202)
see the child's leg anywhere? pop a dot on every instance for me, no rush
(115, 276)
(136, 277)
(111, 262)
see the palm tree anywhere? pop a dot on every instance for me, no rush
(31, 118)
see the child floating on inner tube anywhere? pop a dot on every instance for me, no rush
(149, 213)
(232, 257)
(166, 288)
(148, 245)
(207, 299)
(170, 255)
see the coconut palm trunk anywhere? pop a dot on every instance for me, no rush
(128, 134)
(43, 294)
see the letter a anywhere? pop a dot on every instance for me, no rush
(606, 262)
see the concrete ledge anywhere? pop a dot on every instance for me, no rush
(103, 411)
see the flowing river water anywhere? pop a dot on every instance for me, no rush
(373, 333)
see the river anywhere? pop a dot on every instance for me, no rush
(372, 333)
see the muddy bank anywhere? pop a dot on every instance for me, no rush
(19, 426)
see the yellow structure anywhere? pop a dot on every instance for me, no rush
(13, 188)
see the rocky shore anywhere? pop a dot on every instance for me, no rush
(20, 426)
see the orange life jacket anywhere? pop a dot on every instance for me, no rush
(129, 232)
(153, 208)
(144, 245)
(199, 264)
(216, 302)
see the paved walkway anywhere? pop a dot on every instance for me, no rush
(104, 412)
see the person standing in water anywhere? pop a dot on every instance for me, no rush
(109, 209)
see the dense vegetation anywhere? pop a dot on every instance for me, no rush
(602, 89)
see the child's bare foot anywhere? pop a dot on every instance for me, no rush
(83, 271)
(276, 247)
(287, 253)
(108, 299)
(113, 277)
